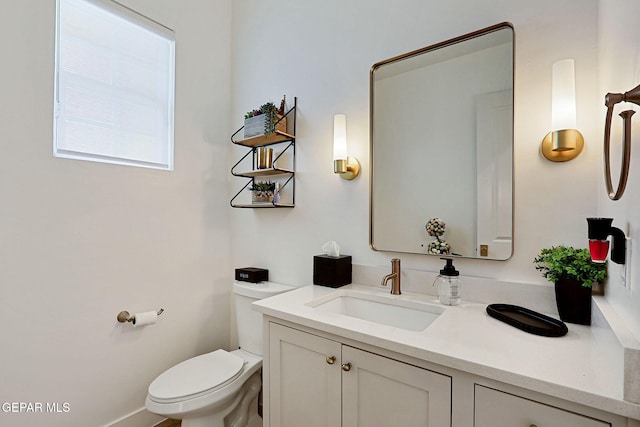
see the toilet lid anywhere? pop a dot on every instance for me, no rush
(195, 376)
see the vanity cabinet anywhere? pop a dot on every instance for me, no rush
(495, 408)
(313, 378)
(314, 381)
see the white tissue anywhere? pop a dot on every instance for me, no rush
(331, 248)
(145, 318)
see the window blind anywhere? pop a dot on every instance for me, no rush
(114, 85)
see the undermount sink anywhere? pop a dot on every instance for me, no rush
(387, 310)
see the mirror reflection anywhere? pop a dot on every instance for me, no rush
(442, 148)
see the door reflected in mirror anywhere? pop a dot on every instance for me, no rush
(442, 148)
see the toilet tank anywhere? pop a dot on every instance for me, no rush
(249, 321)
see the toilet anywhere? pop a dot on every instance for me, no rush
(221, 388)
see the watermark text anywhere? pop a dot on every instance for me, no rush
(35, 407)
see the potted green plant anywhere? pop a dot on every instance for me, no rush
(262, 191)
(264, 120)
(573, 273)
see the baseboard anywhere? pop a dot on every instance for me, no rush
(138, 418)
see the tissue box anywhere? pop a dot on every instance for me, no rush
(332, 271)
(252, 274)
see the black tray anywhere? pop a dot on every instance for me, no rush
(527, 320)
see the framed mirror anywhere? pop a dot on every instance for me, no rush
(442, 148)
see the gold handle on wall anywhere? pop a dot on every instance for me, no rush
(331, 360)
(346, 367)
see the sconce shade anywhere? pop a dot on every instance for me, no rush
(564, 142)
(339, 137)
(563, 95)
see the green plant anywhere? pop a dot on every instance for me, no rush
(566, 262)
(263, 186)
(271, 116)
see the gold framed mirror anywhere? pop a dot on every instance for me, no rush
(441, 122)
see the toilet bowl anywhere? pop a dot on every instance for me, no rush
(219, 389)
(206, 389)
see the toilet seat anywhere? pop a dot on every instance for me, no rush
(196, 377)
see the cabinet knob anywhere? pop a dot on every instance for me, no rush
(346, 367)
(331, 360)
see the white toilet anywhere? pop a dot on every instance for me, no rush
(219, 389)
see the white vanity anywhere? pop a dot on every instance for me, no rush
(357, 356)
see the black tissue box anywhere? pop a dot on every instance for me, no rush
(252, 274)
(332, 271)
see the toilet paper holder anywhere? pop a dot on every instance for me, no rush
(124, 316)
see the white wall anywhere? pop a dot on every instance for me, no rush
(82, 241)
(619, 72)
(322, 53)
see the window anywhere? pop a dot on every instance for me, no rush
(114, 85)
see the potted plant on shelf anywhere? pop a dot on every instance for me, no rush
(265, 120)
(262, 191)
(573, 273)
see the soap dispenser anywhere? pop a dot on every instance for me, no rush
(449, 284)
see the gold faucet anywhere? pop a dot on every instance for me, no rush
(394, 277)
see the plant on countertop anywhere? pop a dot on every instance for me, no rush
(271, 115)
(566, 262)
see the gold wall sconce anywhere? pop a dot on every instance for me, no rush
(564, 142)
(610, 100)
(348, 167)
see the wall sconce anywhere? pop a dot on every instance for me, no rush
(599, 230)
(564, 142)
(348, 167)
(609, 101)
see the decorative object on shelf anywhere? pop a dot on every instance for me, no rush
(276, 194)
(264, 157)
(610, 100)
(348, 167)
(265, 120)
(599, 231)
(262, 192)
(573, 273)
(564, 142)
(436, 227)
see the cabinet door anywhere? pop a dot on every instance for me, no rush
(495, 408)
(304, 384)
(382, 392)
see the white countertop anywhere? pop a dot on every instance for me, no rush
(582, 367)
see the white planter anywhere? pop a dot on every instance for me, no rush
(261, 196)
(254, 126)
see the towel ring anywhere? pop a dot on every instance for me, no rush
(611, 99)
